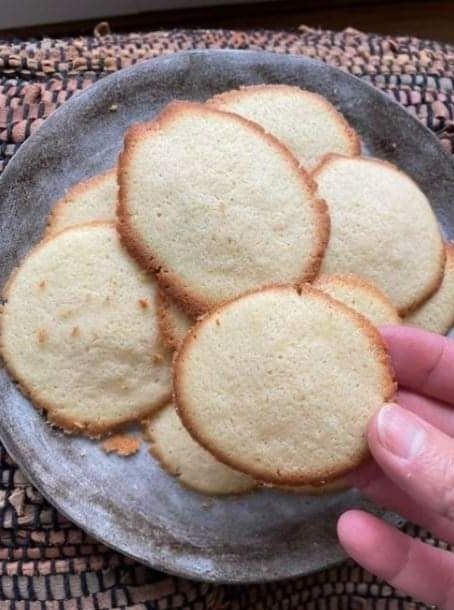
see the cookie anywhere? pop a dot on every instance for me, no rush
(182, 457)
(304, 121)
(79, 332)
(360, 295)
(437, 314)
(382, 229)
(216, 207)
(91, 200)
(174, 323)
(281, 383)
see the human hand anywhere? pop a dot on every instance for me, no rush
(412, 472)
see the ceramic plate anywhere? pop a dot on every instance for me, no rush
(131, 504)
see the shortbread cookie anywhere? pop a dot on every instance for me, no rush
(182, 457)
(382, 228)
(281, 383)
(174, 323)
(360, 295)
(437, 314)
(79, 332)
(304, 121)
(216, 207)
(90, 200)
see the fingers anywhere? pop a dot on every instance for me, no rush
(378, 488)
(417, 457)
(436, 413)
(371, 480)
(423, 361)
(420, 570)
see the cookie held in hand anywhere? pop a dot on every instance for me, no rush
(281, 383)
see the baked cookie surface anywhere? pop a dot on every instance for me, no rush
(360, 295)
(437, 314)
(304, 121)
(79, 332)
(94, 199)
(181, 456)
(216, 207)
(382, 229)
(280, 384)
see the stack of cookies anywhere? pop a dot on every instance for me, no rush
(223, 286)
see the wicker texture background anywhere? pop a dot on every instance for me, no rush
(46, 563)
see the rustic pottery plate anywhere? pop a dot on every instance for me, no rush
(131, 504)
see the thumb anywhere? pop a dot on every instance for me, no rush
(416, 456)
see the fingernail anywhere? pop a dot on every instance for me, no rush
(400, 432)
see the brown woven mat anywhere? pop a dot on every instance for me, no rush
(46, 562)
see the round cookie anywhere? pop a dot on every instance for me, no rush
(382, 228)
(182, 457)
(360, 295)
(280, 384)
(216, 207)
(94, 199)
(174, 323)
(79, 332)
(437, 314)
(304, 121)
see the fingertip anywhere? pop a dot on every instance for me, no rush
(344, 523)
(407, 564)
(372, 427)
(359, 534)
(353, 530)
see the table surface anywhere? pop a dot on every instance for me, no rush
(46, 562)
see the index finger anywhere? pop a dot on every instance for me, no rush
(423, 361)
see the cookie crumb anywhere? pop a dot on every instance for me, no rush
(122, 444)
(158, 358)
(113, 107)
(75, 332)
(144, 304)
(42, 284)
(42, 335)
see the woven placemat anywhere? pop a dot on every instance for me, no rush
(45, 561)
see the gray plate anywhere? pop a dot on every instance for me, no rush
(132, 505)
